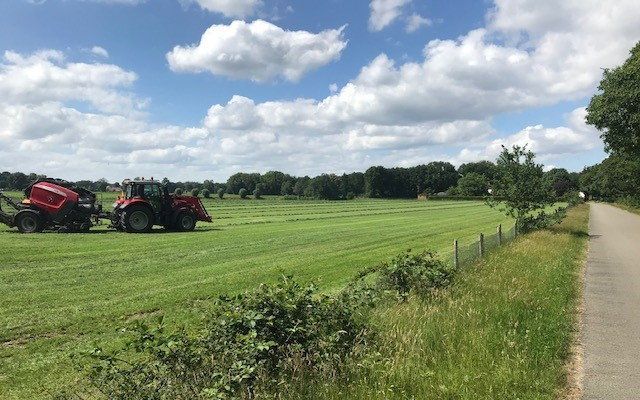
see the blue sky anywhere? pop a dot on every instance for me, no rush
(178, 117)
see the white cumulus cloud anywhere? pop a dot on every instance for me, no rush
(46, 76)
(384, 12)
(230, 8)
(259, 51)
(415, 22)
(549, 143)
(100, 51)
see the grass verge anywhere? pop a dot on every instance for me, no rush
(504, 330)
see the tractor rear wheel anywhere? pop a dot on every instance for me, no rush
(29, 221)
(186, 222)
(137, 219)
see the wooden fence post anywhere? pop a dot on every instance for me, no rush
(456, 261)
(481, 245)
(500, 235)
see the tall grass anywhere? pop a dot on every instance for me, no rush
(503, 331)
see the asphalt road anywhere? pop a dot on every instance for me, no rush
(611, 321)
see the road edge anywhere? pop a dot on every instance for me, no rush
(574, 384)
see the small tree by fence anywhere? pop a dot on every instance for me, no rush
(519, 190)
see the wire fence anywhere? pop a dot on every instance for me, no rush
(465, 253)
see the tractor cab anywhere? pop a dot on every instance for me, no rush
(145, 203)
(154, 192)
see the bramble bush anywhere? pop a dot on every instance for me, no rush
(417, 273)
(252, 339)
(407, 274)
(257, 341)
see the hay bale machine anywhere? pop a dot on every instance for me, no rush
(56, 205)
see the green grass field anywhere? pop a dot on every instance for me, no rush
(66, 292)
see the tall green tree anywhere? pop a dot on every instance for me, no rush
(473, 184)
(484, 168)
(615, 109)
(520, 186)
(374, 182)
(613, 179)
(560, 181)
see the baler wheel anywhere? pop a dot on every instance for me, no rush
(137, 219)
(29, 221)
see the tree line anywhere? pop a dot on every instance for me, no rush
(436, 178)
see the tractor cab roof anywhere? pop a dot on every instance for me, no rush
(141, 182)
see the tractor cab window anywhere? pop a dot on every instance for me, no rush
(151, 191)
(153, 194)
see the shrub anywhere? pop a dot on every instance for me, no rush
(195, 192)
(257, 194)
(418, 273)
(630, 201)
(573, 198)
(291, 197)
(351, 196)
(221, 193)
(541, 220)
(254, 343)
(206, 193)
(178, 191)
(243, 193)
(251, 339)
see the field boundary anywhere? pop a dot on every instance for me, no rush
(467, 254)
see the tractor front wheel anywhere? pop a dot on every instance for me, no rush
(137, 219)
(186, 222)
(29, 221)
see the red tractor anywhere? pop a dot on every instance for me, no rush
(148, 203)
(54, 205)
